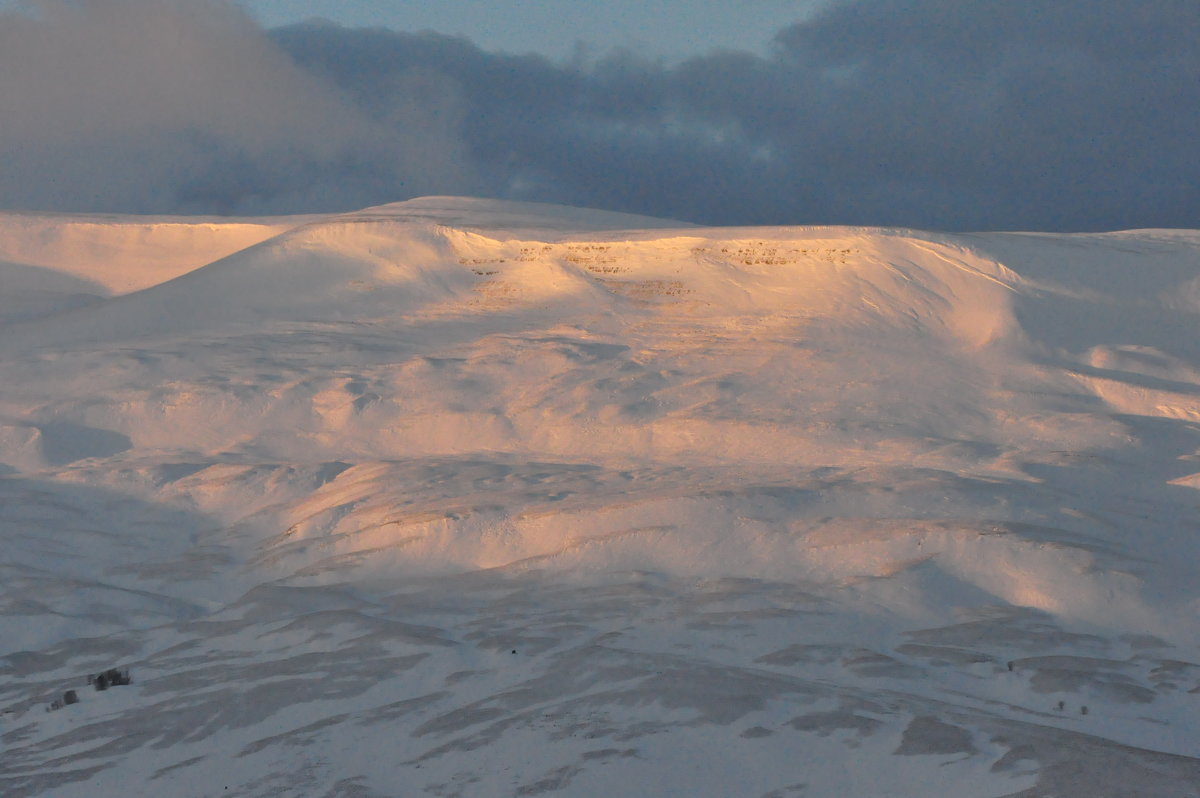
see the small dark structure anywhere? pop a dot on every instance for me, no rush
(68, 698)
(113, 677)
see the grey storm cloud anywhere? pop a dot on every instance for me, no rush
(958, 114)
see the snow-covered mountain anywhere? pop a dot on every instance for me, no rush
(460, 497)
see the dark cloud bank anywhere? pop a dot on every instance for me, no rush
(959, 114)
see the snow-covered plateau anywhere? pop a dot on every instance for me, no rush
(460, 497)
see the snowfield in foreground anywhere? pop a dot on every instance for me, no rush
(458, 497)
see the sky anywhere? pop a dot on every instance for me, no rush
(934, 114)
(557, 29)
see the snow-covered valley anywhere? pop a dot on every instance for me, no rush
(463, 497)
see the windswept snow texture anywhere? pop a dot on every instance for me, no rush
(469, 498)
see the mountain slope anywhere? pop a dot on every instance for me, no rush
(464, 497)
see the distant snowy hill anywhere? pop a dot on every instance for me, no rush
(464, 497)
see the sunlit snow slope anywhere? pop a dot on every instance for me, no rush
(475, 498)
